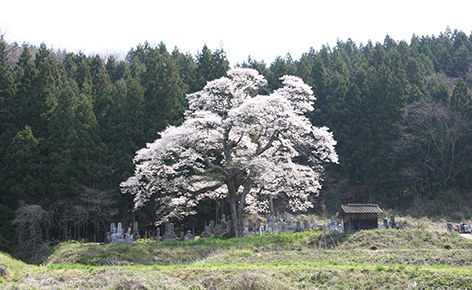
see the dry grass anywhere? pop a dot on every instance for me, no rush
(418, 257)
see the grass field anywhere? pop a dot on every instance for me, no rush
(416, 258)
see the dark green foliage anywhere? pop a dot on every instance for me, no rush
(22, 171)
(125, 134)
(280, 67)
(76, 123)
(7, 88)
(164, 93)
(210, 66)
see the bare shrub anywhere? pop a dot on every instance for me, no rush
(433, 139)
(31, 224)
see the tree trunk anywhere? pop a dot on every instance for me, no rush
(234, 215)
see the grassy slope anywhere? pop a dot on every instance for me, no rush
(402, 259)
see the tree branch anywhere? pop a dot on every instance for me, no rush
(260, 150)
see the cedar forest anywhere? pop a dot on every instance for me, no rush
(70, 125)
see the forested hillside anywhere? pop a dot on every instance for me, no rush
(71, 124)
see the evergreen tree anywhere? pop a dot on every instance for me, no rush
(415, 74)
(280, 67)
(305, 68)
(210, 66)
(7, 92)
(117, 70)
(461, 99)
(23, 171)
(125, 128)
(462, 59)
(163, 93)
(77, 155)
(110, 67)
(25, 98)
(204, 61)
(443, 52)
(101, 93)
(187, 70)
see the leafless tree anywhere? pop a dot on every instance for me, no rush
(31, 224)
(91, 208)
(433, 141)
(442, 78)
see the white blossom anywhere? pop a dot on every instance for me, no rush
(236, 145)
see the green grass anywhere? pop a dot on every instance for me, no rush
(246, 276)
(423, 246)
(402, 259)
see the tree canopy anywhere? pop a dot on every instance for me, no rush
(70, 122)
(237, 145)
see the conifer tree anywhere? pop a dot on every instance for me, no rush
(7, 91)
(23, 171)
(25, 108)
(211, 65)
(126, 128)
(163, 93)
(187, 70)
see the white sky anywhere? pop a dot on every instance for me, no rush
(260, 28)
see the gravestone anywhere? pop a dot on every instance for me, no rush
(136, 231)
(449, 227)
(218, 230)
(277, 227)
(269, 225)
(224, 224)
(206, 232)
(246, 226)
(119, 231)
(189, 237)
(117, 235)
(258, 224)
(169, 235)
(289, 218)
(393, 222)
(306, 226)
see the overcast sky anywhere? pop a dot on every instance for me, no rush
(262, 29)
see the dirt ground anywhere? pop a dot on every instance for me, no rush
(467, 236)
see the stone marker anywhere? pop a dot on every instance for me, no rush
(206, 232)
(117, 235)
(169, 235)
(189, 237)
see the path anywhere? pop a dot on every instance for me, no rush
(467, 236)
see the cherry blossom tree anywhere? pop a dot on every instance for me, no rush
(236, 145)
